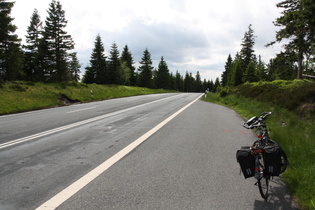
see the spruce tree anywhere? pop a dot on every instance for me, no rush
(226, 75)
(172, 82)
(163, 75)
(179, 82)
(31, 48)
(283, 66)
(114, 65)
(58, 43)
(198, 83)
(216, 84)
(126, 56)
(74, 67)
(297, 25)
(237, 71)
(250, 74)
(211, 86)
(11, 56)
(247, 52)
(189, 83)
(262, 73)
(145, 69)
(97, 71)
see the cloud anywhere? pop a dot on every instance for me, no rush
(192, 35)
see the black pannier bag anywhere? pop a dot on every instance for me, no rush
(272, 159)
(246, 161)
(275, 160)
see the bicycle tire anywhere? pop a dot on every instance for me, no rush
(263, 181)
(263, 185)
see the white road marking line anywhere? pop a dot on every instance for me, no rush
(45, 133)
(68, 192)
(79, 110)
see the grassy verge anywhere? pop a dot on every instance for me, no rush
(294, 133)
(24, 96)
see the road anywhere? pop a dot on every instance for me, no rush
(164, 151)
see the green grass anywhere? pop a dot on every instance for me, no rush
(295, 133)
(24, 96)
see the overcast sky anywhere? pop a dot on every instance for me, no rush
(191, 35)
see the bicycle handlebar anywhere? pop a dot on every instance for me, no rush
(255, 122)
(264, 115)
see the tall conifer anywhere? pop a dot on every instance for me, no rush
(58, 43)
(226, 75)
(11, 57)
(74, 67)
(163, 75)
(247, 52)
(297, 25)
(114, 65)
(31, 48)
(126, 56)
(145, 69)
(97, 71)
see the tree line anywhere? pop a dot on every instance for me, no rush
(297, 60)
(120, 70)
(48, 56)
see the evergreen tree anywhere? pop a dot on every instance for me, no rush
(145, 69)
(283, 66)
(97, 71)
(172, 82)
(237, 71)
(31, 48)
(89, 76)
(211, 86)
(163, 75)
(126, 56)
(11, 56)
(114, 65)
(74, 67)
(262, 73)
(247, 52)
(179, 82)
(298, 25)
(226, 75)
(198, 83)
(58, 43)
(250, 74)
(216, 84)
(189, 83)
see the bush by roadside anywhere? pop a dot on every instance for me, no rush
(296, 95)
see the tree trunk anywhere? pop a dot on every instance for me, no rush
(300, 62)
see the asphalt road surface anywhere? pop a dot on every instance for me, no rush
(164, 151)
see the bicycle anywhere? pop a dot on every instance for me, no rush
(265, 158)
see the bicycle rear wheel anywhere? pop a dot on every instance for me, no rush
(263, 180)
(263, 185)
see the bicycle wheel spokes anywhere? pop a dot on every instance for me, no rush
(263, 185)
(263, 180)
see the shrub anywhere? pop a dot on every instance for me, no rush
(17, 88)
(287, 94)
(224, 91)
